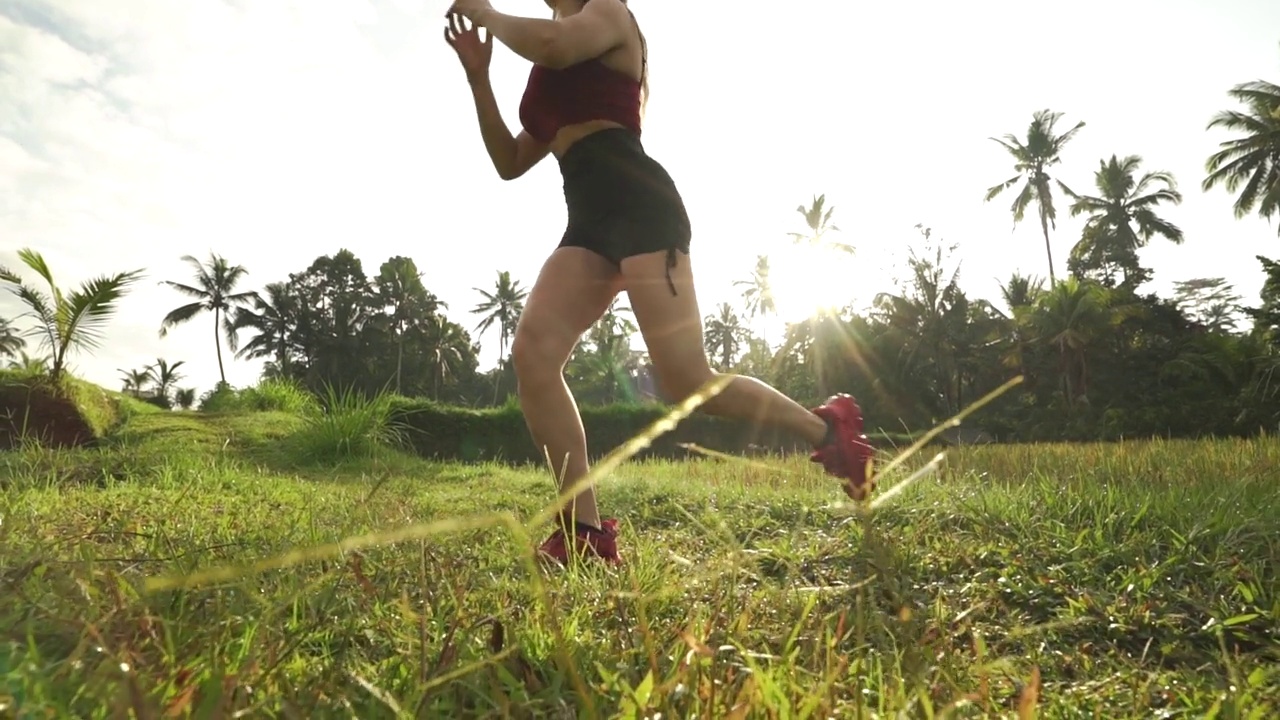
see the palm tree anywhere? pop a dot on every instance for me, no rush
(503, 306)
(1252, 160)
(1020, 294)
(164, 376)
(758, 294)
(608, 360)
(724, 335)
(27, 365)
(400, 292)
(1072, 316)
(1032, 159)
(929, 321)
(11, 341)
(615, 324)
(214, 291)
(445, 342)
(819, 224)
(272, 318)
(1123, 201)
(134, 381)
(185, 398)
(68, 320)
(1212, 302)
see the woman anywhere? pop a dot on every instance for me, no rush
(627, 230)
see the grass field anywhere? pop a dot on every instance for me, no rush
(1130, 580)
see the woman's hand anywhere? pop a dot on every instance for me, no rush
(471, 9)
(473, 53)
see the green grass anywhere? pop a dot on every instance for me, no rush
(1136, 579)
(100, 410)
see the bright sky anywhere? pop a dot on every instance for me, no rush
(133, 132)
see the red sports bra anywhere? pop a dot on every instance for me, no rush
(579, 93)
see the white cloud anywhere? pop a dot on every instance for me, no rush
(43, 58)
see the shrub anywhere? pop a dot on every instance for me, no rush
(160, 402)
(278, 396)
(222, 398)
(455, 433)
(347, 424)
(266, 396)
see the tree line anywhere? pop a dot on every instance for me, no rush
(1100, 357)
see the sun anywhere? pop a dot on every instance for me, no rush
(808, 279)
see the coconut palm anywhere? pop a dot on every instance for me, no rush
(27, 365)
(134, 381)
(1250, 163)
(1073, 316)
(758, 293)
(818, 224)
(272, 318)
(163, 376)
(446, 344)
(214, 291)
(1020, 294)
(405, 300)
(67, 320)
(1033, 158)
(724, 335)
(185, 398)
(928, 321)
(1122, 216)
(502, 306)
(11, 341)
(605, 360)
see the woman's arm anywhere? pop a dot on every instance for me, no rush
(511, 156)
(598, 28)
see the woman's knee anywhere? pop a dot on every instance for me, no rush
(536, 354)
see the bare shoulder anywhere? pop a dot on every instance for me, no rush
(616, 10)
(623, 53)
(601, 27)
(612, 13)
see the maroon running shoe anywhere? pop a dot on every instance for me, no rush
(845, 453)
(601, 543)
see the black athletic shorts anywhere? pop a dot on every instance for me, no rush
(621, 202)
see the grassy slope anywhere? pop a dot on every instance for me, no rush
(1113, 569)
(100, 410)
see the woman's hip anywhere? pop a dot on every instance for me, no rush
(608, 173)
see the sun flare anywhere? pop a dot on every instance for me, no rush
(808, 279)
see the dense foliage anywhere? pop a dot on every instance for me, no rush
(1101, 357)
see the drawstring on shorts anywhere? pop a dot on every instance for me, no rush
(671, 262)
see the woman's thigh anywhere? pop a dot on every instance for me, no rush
(573, 289)
(665, 305)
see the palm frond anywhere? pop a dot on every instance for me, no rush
(230, 331)
(1022, 202)
(36, 262)
(187, 290)
(43, 312)
(180, 315)
(88, 308)
(995, 190)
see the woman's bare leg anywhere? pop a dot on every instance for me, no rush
(572, 291)
(672, 329)
(671, 325)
